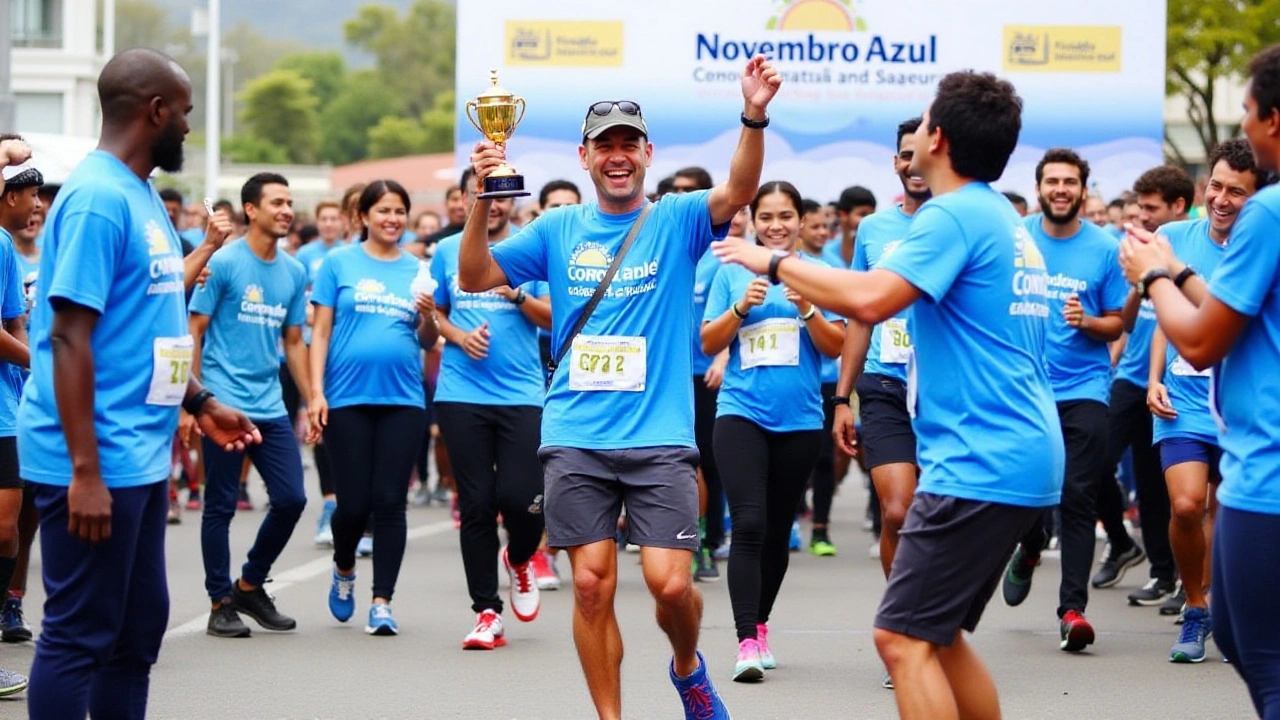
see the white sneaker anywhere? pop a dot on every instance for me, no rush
(544, 571)
(487, 634)
(525, 597)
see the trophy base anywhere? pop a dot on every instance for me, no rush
(503, 186)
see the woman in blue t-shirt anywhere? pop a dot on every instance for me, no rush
(366, 345)
(768, 417)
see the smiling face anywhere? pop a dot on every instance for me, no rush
(913, 185)
(777, 222)
(1226, 194)
(814, 233)
(387, 219)
(273, 215)
(617, 161)
(1060, 192)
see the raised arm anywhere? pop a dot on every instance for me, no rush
(760, 82)
(477, 270)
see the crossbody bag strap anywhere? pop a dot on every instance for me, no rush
(598, 295)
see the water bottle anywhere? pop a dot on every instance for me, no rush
(423, 283)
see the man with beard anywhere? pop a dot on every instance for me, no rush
(622, 430)
(254, 299)
(1086, 294)
(98, 416)
(874, 362)
(1164, 194)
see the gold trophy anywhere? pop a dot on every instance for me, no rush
(495, 117)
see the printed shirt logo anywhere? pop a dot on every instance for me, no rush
(371, 296)
(888, 250)
(166, 266)
(588, 264)
(1030, 277)
(157, 241)
(253, 294)
(489, 300)
(368, 285)
(818, 15)
(254, 310)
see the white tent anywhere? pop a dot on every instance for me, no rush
(57, 155)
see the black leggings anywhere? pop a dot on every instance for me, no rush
(704, 423)
(823, 479)
(764, 475)
(494, 449)
(372, 448)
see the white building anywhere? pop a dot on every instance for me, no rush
(57, 55)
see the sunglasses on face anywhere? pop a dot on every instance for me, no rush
(605, 107)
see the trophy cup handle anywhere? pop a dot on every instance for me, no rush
(518, 101)
(474, 119)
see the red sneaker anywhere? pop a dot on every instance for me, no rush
(544, 571)
(525, 598)
(487, 634)
(1076, 632)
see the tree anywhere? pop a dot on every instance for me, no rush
(255, 150)
(437, 124)
(345, 123)
(1208, 43)
(327, 72)
(396, 137)
(279, 107)
(414, 54)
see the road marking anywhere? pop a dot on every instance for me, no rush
(302, 573)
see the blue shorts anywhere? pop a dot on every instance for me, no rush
(1177, 450)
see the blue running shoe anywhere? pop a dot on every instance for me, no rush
(11, 683)
(1196, 629)
(324, 529)
(13, 627)
(365, 547)
(699, 696)
(796, 543)
(381, 622)
(342, 598)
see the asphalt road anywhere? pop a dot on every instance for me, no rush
(820, 632)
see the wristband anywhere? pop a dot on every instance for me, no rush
(736, 312)
(194, 404)
(839, 400)
(1144, 284)
(807, 316)
(755, 124)
(520, 297)
(1184, 276)
(778, 256)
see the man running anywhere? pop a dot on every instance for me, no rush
(98, 417)
(983, 482)
(1086, 294)
(253, 302)
(618, 420)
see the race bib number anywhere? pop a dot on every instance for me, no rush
(1182, 368)
(895, 342)
(170, 370)
(613, 363)
(769, 342)
(913, 385)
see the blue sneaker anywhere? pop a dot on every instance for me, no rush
(1196, 629)
(365, 547)
(342, 599)
(11, 683)
(796, 543)
(699, 696)
(13, 627)
(381, 622)
(324, 529)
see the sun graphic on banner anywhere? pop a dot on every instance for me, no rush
(820, 15)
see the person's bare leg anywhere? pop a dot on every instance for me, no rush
(679, 611)
(595, 627)
(28, 523)
(896, 485)
(1188, 484)
(921, 686)
(971, 684)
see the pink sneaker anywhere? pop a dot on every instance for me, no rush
(748, 667)
(767, 660)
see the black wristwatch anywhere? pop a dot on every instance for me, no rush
(194, 404)
(1184, 276)
(1144, 284)
(778, 256)
(755, 124)
(839, 400)
(520, 297)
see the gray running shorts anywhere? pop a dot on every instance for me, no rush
(586, 489)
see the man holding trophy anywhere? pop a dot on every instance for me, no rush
(618, 419)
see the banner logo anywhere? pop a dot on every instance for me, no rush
(816, 15)
(564, 43)
(1062, 48)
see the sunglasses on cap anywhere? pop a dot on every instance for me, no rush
(604, 107)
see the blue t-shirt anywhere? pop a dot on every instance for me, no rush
(249, 302)
(195, 236)
(29, 269)
(13, 304)
(374, 356)
(312, 255)
(1188, 388)
(986, 422)
(643, 319)
(783, 392)
(831, 251)
(830, 366)
(512, 372)
(1086, 265)
(1248, 392)
(878, 236)
(109, 247)
(705, 273)
(1134, 365)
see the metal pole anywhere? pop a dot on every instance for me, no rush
(229, 90)
(213, 97)
(7, 110)
(108, 28)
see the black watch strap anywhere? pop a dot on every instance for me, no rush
(1184, 276)
(774, 261)
(839, 400)
(755, 124)
(1144, 285)
(196, 402)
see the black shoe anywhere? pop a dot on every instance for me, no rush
(225, 623)
(1153, 593)
(1172, 605)
(706, 569)
(1114, 566)
(258, 605)
(1017, 577)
